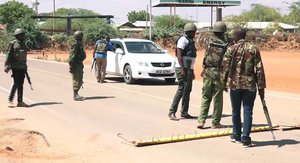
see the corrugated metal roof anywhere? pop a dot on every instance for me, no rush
(263, 25)
(142, 24)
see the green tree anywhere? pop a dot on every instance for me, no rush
(260, 12)
(164, 26)
(134, 16)
(78, 24)
(35, 39)
(293, 16)
(257, 13)
(12, 12)
(18, 15)
(96, 31)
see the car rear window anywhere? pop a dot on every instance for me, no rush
(143, 47)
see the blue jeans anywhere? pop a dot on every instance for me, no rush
(239, 97)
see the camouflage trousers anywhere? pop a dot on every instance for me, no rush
(211, 90)
(77, 77)
(100, 69)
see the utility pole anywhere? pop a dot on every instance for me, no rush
(211, 17)
(147, 18)
(150, 26)
(53, 20)
(35, 5)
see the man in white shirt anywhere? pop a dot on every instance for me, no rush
(184, 69)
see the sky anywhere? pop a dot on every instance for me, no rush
(120, 8)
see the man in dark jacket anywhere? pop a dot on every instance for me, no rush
(16, 61)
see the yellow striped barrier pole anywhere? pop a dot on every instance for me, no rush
(180, 138)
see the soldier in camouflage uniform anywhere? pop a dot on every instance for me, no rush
(17, 62)
(243, 71)
(76, 58)
(212, 86)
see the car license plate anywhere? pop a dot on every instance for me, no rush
(163, 71)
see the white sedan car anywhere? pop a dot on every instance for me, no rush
(140, 59)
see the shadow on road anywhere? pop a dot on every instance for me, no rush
(98, 97)
(115, 79)
(153, 82)
(279, 143)
(223, 116)
(146, 82)
(44, 103)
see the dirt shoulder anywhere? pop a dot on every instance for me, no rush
(282, 68)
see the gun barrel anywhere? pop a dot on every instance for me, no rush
(266, 112)
(29, 80)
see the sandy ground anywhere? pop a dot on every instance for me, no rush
(282, 68)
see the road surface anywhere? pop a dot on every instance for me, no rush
(87, 131)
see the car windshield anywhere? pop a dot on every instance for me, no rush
(143, 47)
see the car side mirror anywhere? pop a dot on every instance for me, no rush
(119, 51)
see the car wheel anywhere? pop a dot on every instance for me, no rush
(170, 80)
(127, 74)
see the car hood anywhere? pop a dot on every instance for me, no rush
(153, 57)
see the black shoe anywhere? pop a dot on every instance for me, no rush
(187, 116)
(215, 126)
(22, 104)
(201, 125)
(247, 144)
(235, 139)
(173, 117)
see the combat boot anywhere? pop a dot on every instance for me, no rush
(76, 97)
(22, 104)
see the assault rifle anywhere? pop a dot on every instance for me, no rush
(267, 115)
(93, 64)
(29, 80)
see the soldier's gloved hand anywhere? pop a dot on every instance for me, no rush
(71, 69)
(261, 93)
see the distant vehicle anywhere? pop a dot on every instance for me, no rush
(140, 59)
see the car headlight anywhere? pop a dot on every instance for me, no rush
(142, 64)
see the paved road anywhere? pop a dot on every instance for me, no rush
(88, 130)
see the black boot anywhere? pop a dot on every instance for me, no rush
(76, 97)
(22, 104)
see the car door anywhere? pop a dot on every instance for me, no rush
(111, 64)
(113, 59)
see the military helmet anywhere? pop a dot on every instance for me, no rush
(219, 26)
(78, 35)
(190, 27)
(19, 31)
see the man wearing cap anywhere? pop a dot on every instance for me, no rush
(16, 61)
(212, 87)
(184, 69)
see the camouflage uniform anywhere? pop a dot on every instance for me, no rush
(17, 62)
(212, 86)
(242, 72)
(76, 58)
